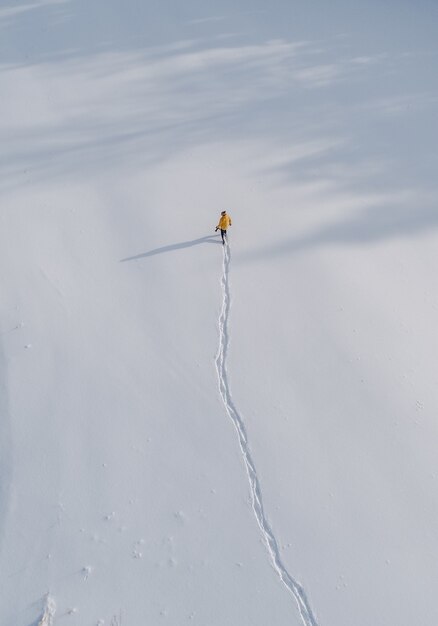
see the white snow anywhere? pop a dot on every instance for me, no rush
(191, 434)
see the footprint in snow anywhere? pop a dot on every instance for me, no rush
(86, 571)
(72, 611)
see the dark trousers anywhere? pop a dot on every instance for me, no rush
(223, 235)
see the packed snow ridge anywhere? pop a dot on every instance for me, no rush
(49, 612)
(293, 586)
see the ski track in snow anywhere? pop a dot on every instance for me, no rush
(293, 587)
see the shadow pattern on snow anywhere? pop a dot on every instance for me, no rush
(370, 225)
(172, 100)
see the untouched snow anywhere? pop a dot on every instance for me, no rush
(193, 438)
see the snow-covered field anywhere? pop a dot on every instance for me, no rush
(198, 435)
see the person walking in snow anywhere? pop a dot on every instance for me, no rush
(224, 222)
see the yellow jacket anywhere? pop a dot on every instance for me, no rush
(224, 222)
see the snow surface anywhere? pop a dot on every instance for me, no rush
(193, 438)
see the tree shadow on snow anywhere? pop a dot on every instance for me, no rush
(174, 246)
(361, 119)
(371, 224)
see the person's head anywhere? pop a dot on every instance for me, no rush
(223, 213)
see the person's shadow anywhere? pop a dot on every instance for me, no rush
(174, 246)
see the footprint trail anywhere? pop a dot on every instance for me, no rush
(293, 587)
